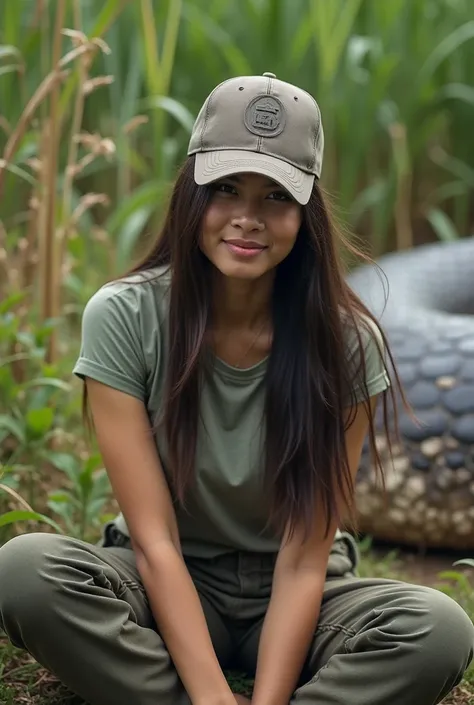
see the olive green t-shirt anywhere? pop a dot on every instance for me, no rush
(124, 345)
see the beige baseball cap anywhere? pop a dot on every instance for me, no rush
(259, 124)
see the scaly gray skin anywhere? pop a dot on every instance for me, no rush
(429, 321)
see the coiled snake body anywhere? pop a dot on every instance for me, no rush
(424, 300)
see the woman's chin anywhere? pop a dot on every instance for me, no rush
(243, 272)
(233, 269)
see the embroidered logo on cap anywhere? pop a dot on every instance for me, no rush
(265, 116)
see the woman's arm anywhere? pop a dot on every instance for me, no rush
(137, 478)
(297, 591)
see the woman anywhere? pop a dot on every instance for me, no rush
(232, 379)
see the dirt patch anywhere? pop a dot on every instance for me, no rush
(421, 566)
(23, 682)
(460, 696)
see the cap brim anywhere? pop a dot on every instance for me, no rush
(210, 166)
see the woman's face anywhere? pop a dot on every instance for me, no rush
(250, 226)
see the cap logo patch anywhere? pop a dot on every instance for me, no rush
(265, 116)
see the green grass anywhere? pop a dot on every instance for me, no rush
(23, 681)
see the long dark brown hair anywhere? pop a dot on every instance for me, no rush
(308, 376)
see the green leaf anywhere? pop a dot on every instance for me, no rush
(64, 510)
(9, 51)
(10, 425)
(102, 486)
(25, 515)
(25, 338)
(66, 504)
(7, 361)
(62, 497)
(94, 507)
(93, 463)
(442, 225)
(465, 561)
(39, 421)
(451, 189)
(86, 484)
(238, 63)
(170, 41)
(67, 463)
(106, 16)
(332, 24)
(445, 48)
(12, 68)
(174, 108)
(457, 91)
(450, 575)
(459, 168)
(12, 300)
(301, 42)
(9, 477)
(148, 193)
(44, 331)
(21, 173)
(129, 236)
(368, 198)
(47, 382)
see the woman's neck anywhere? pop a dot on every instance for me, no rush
(240, 303)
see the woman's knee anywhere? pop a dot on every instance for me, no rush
(26, 562)
(433, 631)
(450, 638)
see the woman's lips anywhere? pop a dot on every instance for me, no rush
(246, 250)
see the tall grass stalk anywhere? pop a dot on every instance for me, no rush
(158, 69)
(49, 278)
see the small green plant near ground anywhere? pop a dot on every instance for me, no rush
(35, 409)
(80, 507)
(370, 565)
(460, 587)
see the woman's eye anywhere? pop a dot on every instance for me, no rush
(279, 196)
(225, 188)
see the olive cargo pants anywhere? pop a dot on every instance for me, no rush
(82, 612)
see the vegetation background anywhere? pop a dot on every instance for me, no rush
(97, 101)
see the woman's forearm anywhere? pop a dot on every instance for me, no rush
(180, 619)
(287, 632)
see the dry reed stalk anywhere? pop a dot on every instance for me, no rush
(42, 220)
(40, 12)
(42, 92)
(48, 255)
(73, 144)
(5, 125)
(135, 123)
(10, 278)
(3, 262)
(35, 101)
(31, 255)
(22, 502)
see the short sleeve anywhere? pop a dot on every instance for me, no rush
(375, 369)
(111, 350)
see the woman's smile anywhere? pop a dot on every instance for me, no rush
(244, 248)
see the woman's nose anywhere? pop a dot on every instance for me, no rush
(247, 222)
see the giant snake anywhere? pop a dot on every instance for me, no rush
(424, 300)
